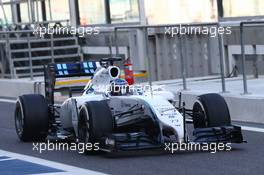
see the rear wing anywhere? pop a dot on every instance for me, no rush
(53, 72)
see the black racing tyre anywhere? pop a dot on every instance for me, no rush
(95, 121)
(32, 118)
(210, 110)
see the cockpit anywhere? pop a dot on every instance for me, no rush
(119, 87)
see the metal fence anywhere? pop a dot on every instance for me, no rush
(242, 44)
(181, 56)
(181, 41)
(183, 45)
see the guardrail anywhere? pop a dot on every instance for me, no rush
(242, 44)
(145, 28)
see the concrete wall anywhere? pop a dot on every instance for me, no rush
(200, 54)
(253, 35)
(12, 88)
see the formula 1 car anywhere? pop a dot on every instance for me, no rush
(117, 116)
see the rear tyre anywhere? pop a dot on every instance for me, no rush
(210, 110)
(95, 121)
(31, 118)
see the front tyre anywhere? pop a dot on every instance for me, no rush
(95, 121)
(31, 118)
(210, 110)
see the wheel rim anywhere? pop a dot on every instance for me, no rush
(84, 126)
(199, 112)
(19, 119)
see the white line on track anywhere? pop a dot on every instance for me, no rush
(7, 100)
(69, 170)
(248, 128)
(6, 159)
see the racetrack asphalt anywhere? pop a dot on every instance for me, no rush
(245, 158)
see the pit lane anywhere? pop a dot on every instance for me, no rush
(243, 159)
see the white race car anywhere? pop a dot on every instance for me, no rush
(118, 116)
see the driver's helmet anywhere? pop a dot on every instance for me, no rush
(119, 87)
